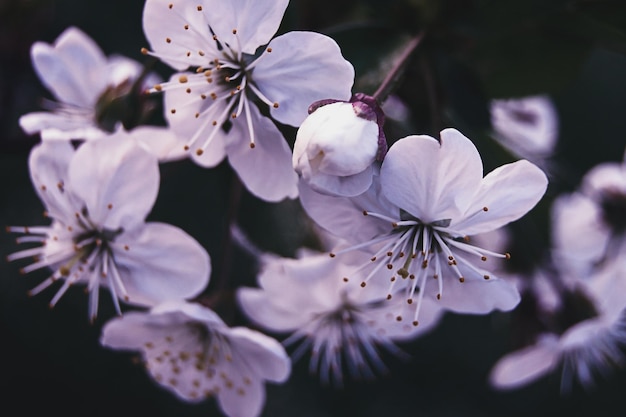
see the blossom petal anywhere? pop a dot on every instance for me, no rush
(72, 68)
(579, 233)
(49, 163)
(117, 179)
(343, 216)
(478, 296)
(603, 177)
(161, 142)
(258, 306)
(262, 354)
(131, 331)
(180, 108)
(255, 22)
(430, 180)
(266, 169)
(60, 126)
(162, 22)
(508, 192)
(524, 366)
(302, 68)
(249, 405)
(162, 262)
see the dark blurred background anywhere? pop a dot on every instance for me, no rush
(51, 361)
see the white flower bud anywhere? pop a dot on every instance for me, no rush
(336, 147)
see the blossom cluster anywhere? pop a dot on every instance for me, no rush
(406, 224)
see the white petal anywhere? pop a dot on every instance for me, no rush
(160, 23)
(348, 186)
(477, 295)
(49, 163)
(525, 366)
(120, 69)
(262, 354)
(61, 126)
(161, 142)
(430, 180)
(528, 126)
(603, 177)
(262, 309)
(72, 69)
(343, 216)
(249, 405)
(130, 331)
(579, 233)
(256, 22)
(508, 192)
(162, 263)
(117, 179)
(266, 169)
(186, 126)
(302, 68)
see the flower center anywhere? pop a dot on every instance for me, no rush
(344, 337)
(221, 88)
(415, 251)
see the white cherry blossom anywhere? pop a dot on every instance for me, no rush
(528, 126)
(231, 64)
(417, 218)
(344, 325)
(78, 74)
(589, 348)
(97, 198)
(189, 350)
(597, 211)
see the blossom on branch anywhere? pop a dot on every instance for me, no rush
(417, 219)
(235, 66)
(98, 198)
(189, 350)
(85, 83)
(344, 325)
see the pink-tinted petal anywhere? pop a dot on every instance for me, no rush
(161, 262)
(604, 177)
(49, 163)
(162, 22)
(131, 331)
(180, 109)
(61, 126)
(525, 366)
(262, 309)
(302, 68)
(72, 69)
(477, 295)
(430, 180)
(348, 186)
(266, 169)
(249, 405)
(161, 142)
(343, 216)
(263, 355)
(579, 233)
(255, 22)
(508, 192)
(117, 179)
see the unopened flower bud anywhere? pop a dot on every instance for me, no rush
(338, 145)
